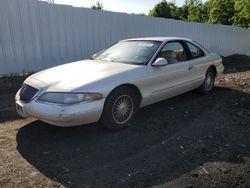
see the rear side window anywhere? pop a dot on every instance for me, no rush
(195, 51)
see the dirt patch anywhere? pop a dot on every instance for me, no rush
(190, 140)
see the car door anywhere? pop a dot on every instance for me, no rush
(170, 80)
(197, 64)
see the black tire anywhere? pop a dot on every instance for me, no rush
(122, 101)
(208, 84)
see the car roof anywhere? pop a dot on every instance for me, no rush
(166, 39)
(161, 39)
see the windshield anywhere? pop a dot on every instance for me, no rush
(131, 52)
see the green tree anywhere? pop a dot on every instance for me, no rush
(182, 12)
(205, 11)
(97, 6)
(142, 14)
(165, 10)
(174, 11)
(242, 13)
(227, 12)
(194, 10)
(221, 12)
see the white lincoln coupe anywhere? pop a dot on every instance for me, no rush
(112, 85)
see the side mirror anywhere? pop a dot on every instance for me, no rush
(159, 62)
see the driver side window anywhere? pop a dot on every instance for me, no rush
(173, 52)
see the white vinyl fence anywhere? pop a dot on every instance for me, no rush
(35, 35)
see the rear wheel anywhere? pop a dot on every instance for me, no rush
(208, 83)
(120, 108)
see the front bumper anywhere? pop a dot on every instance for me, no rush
(61, 115)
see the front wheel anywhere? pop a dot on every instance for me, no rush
(208, 83)
(120, 108)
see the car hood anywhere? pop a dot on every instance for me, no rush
(75, 75)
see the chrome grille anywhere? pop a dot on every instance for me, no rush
(27, 93)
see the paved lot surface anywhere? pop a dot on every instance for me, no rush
(188, 141)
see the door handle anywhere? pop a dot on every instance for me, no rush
(190, 67)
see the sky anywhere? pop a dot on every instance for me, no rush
(128, 6)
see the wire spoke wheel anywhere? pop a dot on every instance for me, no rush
(122, 109)
(209, 81)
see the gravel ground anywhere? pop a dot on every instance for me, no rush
(190, 140)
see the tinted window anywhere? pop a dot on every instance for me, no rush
(131, 52)
(195, 51)
(173, 52)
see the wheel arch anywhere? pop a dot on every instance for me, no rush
(213, 67)
(132, 87)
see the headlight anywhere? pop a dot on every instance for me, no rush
(69, 98)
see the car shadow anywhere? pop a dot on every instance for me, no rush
(165, 141)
